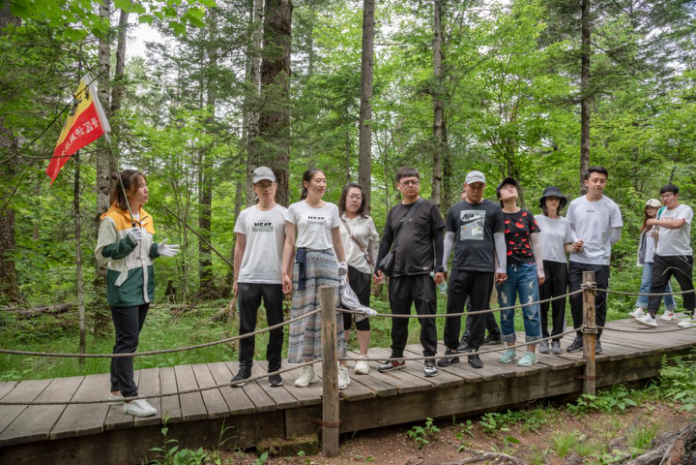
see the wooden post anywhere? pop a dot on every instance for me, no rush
(589, 335)
(329, 352)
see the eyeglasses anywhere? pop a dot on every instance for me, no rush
(410, 183)
(355, 197)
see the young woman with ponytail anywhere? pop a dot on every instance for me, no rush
(126, 247)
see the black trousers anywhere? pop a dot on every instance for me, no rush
(249, 298)
(575, 279)
(681, 267)
(475, 286)
(128, 322)
(491, 323)
(360, 283)
(416, 289)
(556, 284)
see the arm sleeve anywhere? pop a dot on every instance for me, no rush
(387, 239)
(500, 252)
(373, 245)
(439, 249)
(615, 235)
(538, 256)
(108, 244)
(154, 253)
(448, 246)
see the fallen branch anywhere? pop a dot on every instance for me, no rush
(671, 449)
(490, 457)
(28, 313)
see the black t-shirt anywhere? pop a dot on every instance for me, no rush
(518, 229)
(473, 226)
(415, 251)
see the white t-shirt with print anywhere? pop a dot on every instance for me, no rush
(314, 225)
(264, 231)
(554, 234)
(676, 242)
(592, 222)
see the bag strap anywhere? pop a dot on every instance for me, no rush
(401, 223)
(350, 234)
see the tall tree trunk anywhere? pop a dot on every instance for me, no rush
(205, 187)
(251, 99)
(9, 289)
(119, 70)
(366, 80)
(585, 95)
(105, 165)
(438, 106)
(448, 187)
(274, 118)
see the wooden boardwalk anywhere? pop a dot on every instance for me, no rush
(99, 433)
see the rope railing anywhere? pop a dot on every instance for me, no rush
(646, 294)
(159, 352)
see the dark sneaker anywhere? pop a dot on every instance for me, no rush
(447, 361)
(556, 347)
(493, 339)
(463, 345)
(598, 348)
(275, 380)
(576, 346)
(391, 366)
(239, 379)
(430, 369)
(474, 359)
(544, 347)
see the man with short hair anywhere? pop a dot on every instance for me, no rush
(475, 229)
(673, 256)
(596, 221)
(414, 227)
(258, 258)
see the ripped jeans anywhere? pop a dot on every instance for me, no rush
(521, 280)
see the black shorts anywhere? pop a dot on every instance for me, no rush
(360, 283)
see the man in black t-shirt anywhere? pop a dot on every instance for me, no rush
(415, 227)
(476, 231)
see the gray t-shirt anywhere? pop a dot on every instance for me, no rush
(592, 223)
(554, 234)
(676, 242)
(265, 235)
(474, 226)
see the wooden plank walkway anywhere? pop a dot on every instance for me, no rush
(91, 433)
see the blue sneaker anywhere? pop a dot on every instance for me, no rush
(508, 356)
(527, 360)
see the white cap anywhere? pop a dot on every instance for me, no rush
(475, 176)
(263, 172)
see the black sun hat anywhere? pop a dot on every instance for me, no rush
(507, 180)
(553, 191)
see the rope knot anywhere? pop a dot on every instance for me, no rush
(589, 285)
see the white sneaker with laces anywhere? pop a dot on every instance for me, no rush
(362, 367)
(637, 313)
(343, 378)
(668, 316)
(115, 399)
(647, 320)
(139, 408)
(687, 323)
(307, 377)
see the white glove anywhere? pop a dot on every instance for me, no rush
(135, 234)
(342, 269)
(167, 250)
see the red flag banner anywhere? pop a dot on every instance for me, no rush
(86, 123)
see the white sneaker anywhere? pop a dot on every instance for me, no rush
(687, 323)
(307, 377)
(637, 313)
(647, 320)
(362, 367)
(139, 408)
(115, 399)
(668, 316)
(343, 378)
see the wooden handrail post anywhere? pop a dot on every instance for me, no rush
(329, 352)
(589, 335)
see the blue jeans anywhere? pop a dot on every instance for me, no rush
(642, 302)
(521, 280)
